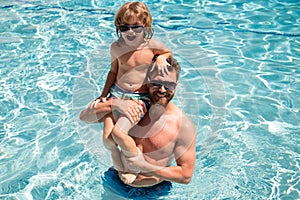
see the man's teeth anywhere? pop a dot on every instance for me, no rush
(160, 95)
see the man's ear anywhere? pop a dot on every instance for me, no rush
(147, 79)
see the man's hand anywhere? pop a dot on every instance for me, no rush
(128, 108)
(96, 111)
(136, 163)
(98, 100)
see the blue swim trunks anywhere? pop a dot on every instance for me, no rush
(113, 184)
(140, 98)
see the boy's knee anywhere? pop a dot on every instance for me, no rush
(109, 144)
(118, 133)
(121, 129)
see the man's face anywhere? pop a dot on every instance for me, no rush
(162, 88)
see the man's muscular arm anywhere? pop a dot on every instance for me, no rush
(185, 154)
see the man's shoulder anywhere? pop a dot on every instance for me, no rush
(174, 109)
(181, 116)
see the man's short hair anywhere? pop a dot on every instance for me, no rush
(173, 65)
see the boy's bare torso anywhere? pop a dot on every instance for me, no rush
(133, 68)
(133, 64)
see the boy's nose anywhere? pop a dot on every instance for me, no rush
(130, 30)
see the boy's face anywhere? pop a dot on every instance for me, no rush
(162, 88)
(132, 32)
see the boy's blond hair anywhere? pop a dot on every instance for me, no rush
(133, 9)
(136, 10)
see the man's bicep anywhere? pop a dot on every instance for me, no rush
(185, 150)
(185, 153)
(186, 158)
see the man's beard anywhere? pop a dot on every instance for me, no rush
(160, 98)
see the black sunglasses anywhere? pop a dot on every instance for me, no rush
(170, 86)
(138, 28)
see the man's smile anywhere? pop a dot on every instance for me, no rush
(161, 98)
(161, 95)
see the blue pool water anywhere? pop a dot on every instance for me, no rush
(240, 84)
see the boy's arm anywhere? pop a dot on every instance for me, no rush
(160, 49)
(163, 55)
(112, 74)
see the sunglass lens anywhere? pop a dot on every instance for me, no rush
(123, 28)
(167, 85)
(170, 87)
(135, 28)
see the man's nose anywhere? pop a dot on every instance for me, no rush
(162, 88)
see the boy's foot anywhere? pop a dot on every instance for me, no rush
(127, 177)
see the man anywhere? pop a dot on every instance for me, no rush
(165, 133)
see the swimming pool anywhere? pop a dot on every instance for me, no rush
(240, 85)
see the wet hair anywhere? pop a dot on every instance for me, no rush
(174, 65)
(136, 10)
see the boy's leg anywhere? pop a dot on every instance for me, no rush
(121, 137)
(127, 144)
(108, 125)
(110, 144)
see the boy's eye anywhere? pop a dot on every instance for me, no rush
(136, 28)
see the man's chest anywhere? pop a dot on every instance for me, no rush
(161, 145)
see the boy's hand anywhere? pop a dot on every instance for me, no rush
(128, 108)
(162, 65)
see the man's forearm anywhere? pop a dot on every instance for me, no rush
(171, 173)
(96, 113)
